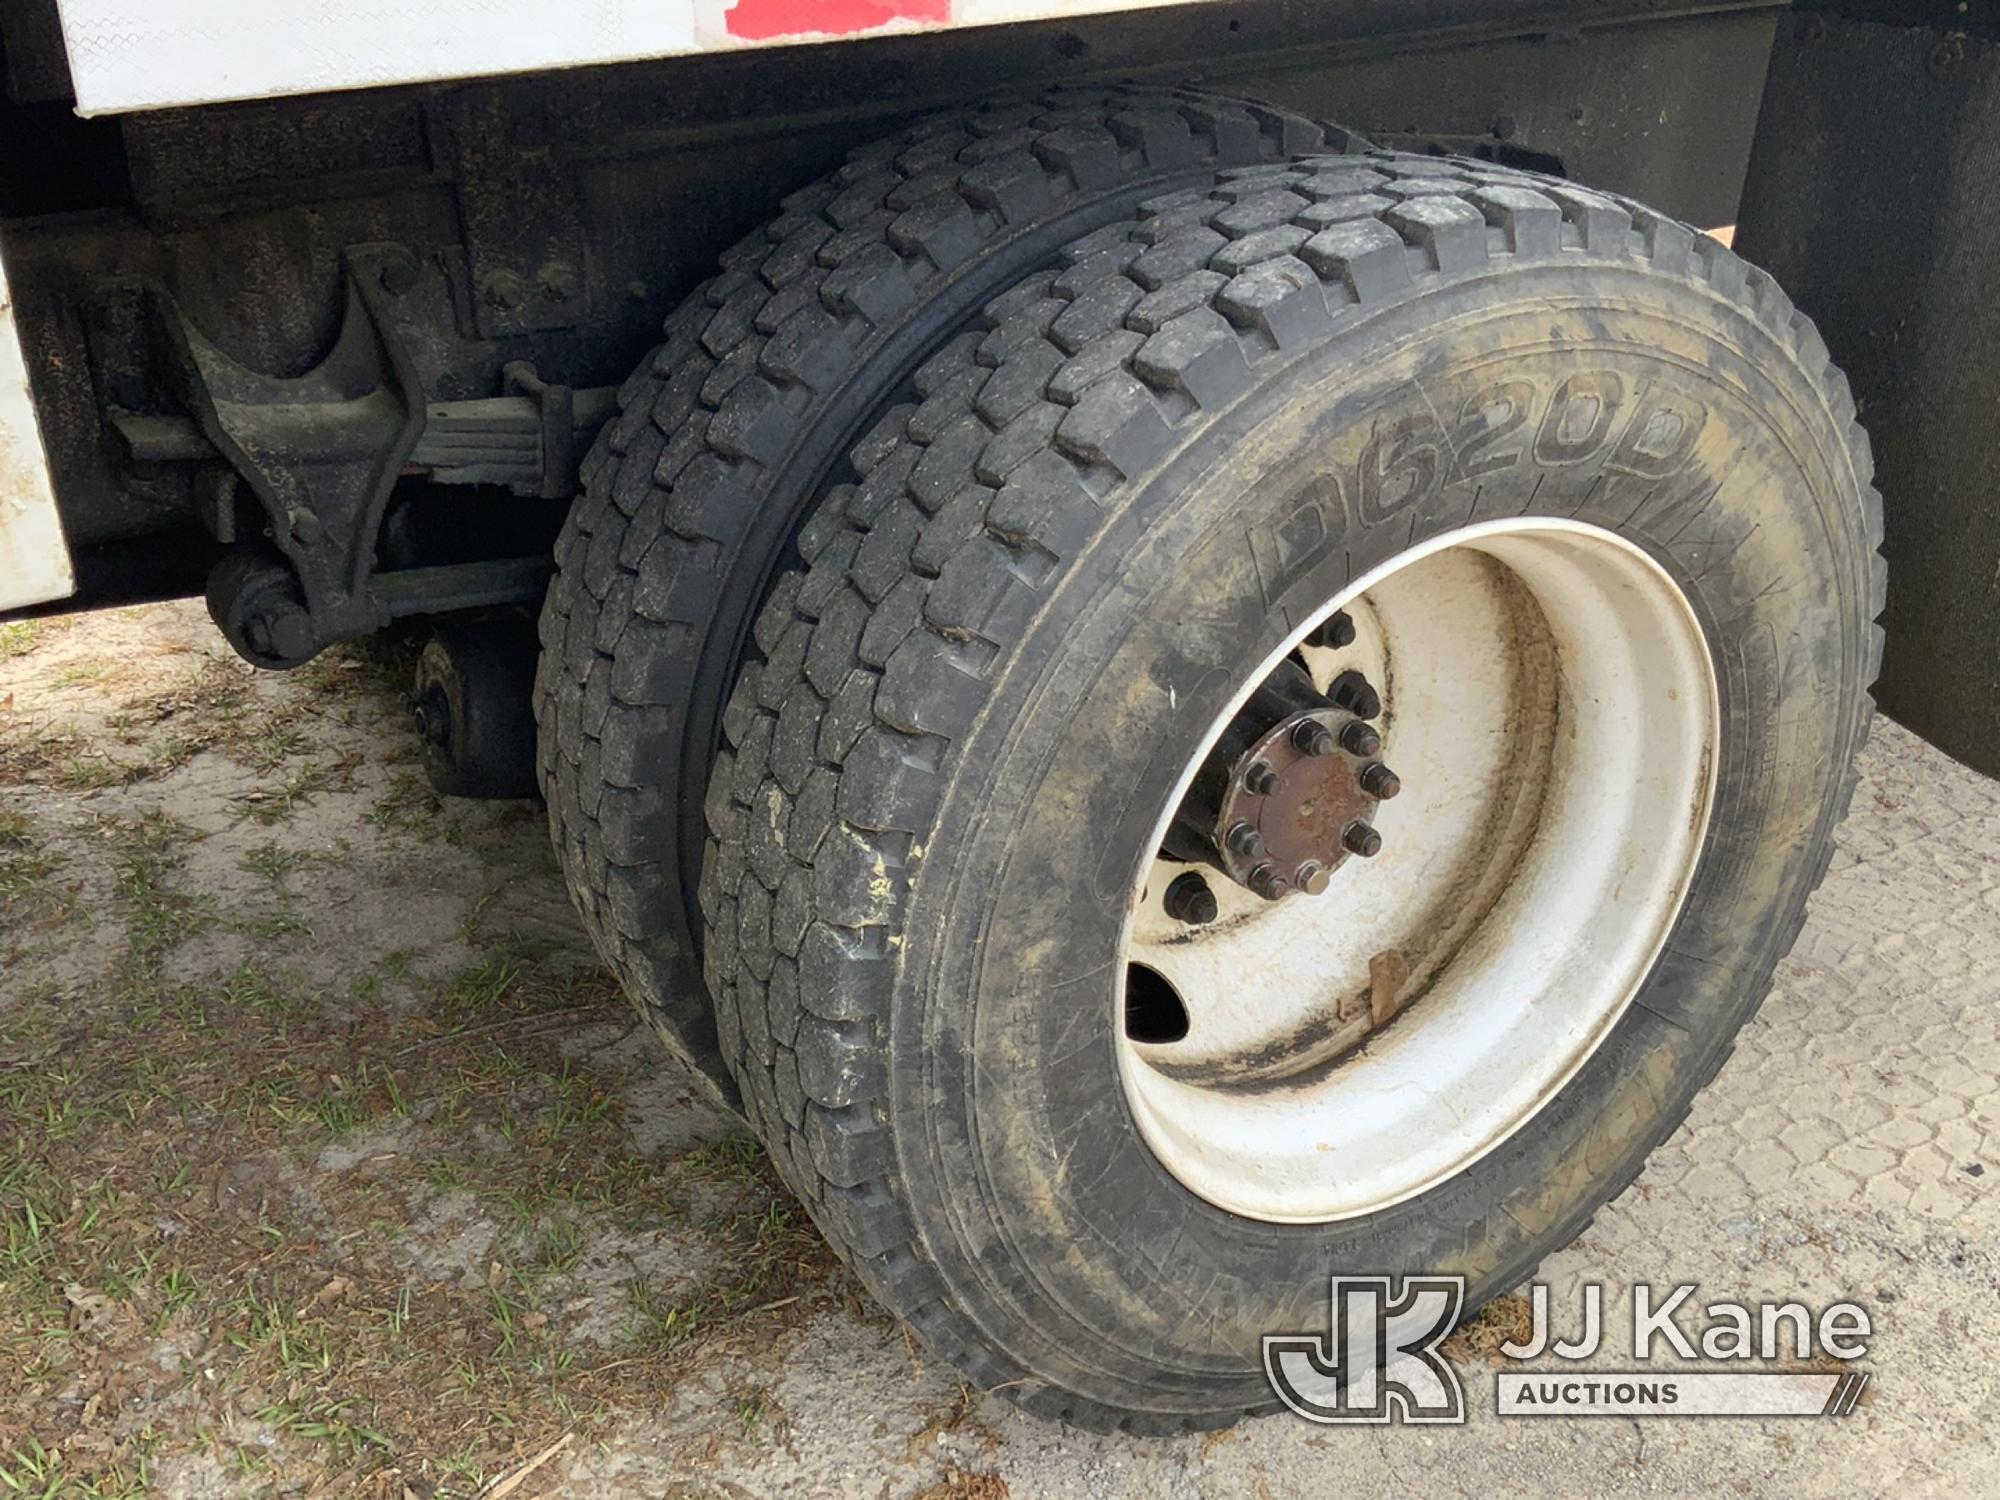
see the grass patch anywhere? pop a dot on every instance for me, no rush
(76, 674)
(147, 850)
(216, 706)
(409, 806)
(35, 1473)
(19, 637)
(280, 801)
(27, 868)
(321, 1329)
(59, 759)
(273, 926)
(70, 762)
(343, 1234)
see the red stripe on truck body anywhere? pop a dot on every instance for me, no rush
(766, 20)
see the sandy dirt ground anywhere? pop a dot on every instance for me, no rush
(332, 1163)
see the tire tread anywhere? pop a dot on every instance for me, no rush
(940, 592)
(702, 444)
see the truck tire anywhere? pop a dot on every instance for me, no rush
(1557, 499)
(770, 372)
(474, 709)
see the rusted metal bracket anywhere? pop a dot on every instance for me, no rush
(320, 451)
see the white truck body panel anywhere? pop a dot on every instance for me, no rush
(34, 559)
(131, 54)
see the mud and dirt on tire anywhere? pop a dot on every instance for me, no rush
(1140, 469)
(770, 373)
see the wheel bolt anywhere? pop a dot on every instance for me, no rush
(1351, 691)
(1379, 782)
(1188, 899)
(1358, 737)
(1312, 877)
(1361, 839)
(1334, 632)
(1314, 738)
(1245, 840)
(1267, 882)
(1260, 778)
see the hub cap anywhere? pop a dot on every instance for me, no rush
(1312, 1033)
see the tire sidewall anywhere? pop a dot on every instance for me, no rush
(1054, 1224)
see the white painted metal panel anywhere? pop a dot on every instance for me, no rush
(130, 54)
(34, 560)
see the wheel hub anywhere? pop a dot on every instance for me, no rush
(1290, 792)
(433, 713)
(1296, 808)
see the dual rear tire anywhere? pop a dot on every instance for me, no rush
(770, 374)
(1598, 516)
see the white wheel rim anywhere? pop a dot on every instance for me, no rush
(1549, 703)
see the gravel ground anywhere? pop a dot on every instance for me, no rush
(330, 1163)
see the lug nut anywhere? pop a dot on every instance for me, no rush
(1358, 737)
(1188, 899)
(1260, 778)
(1314, 738)
(1379, 782)
(1267, 882)
(1361, 839)
(1245, 840)
(1334, 632)
(1351, 691)
(1312, 877)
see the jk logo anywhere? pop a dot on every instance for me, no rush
(1378, 1360)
